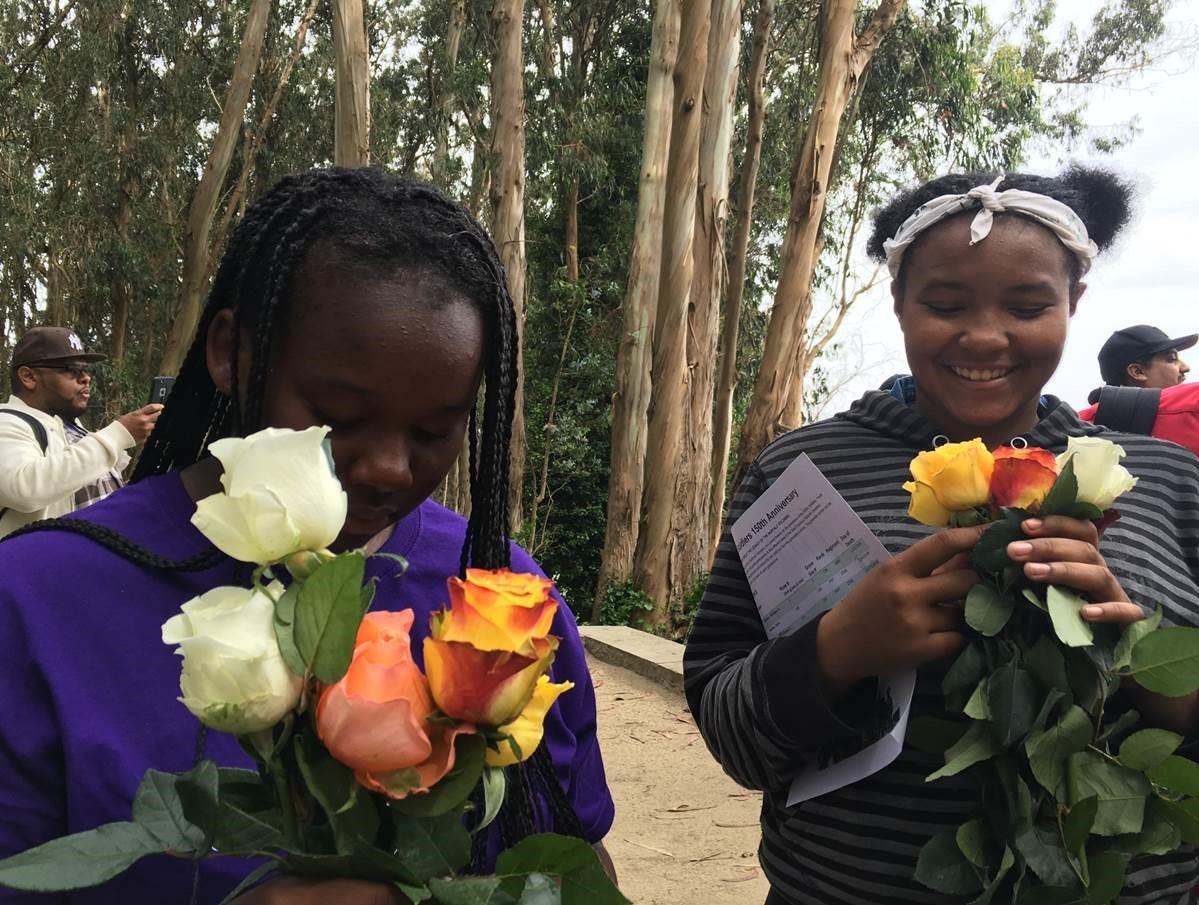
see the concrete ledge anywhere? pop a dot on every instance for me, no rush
(647, 655)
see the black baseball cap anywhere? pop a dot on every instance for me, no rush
(1136, 344)
(46, 345)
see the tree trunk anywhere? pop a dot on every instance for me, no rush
(631, 392)
(208, 191)
(842, 60)
(508, 204)
(352, 98)
(722, 429)
(571, 237)
(703, 323)
(659, 568)
(440, 169)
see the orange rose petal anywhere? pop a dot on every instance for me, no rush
(371, 736)
(382, 625)
(1021, 482)
(485, 687)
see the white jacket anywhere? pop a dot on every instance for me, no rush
(36, 486)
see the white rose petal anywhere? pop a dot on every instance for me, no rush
(281, 496)
(234, 678)
(1101, 477)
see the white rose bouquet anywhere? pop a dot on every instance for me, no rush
(366, 764)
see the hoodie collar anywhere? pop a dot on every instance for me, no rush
(885, 413)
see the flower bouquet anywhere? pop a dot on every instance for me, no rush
(1069, 795)
(367, 766)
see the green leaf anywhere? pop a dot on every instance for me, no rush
(156, 807)
(1084, 512)
(256, 876)
(1013, 702)
(494, 786)
(351, 812)
(988, 610)
(1065, 612)
(943, 867)
(430, 846)
(1048, 751)
(976, 746)
(1120, 725)
(230, 828)
(1076, 825)
(1178, 774)
(990, 553)
(464, 890)
(1088, 686)
(1107, 877)
(1160, 834)
(1043, 851)
(976, 708)
(1167, 661)
(1121, 793)
(584, 880)
(80, 860)
(365, 862)
(1048, 707)
(1005, 865)
(327, 615)
(966, 672)
(1047, 665)
(1185, 816)
(1031, 596)
(971, 838)
(285, 620)
(1146, 749)
(455, 787)
(1063, 494)
(1133, 633)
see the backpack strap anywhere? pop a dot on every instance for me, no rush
(39, 432)
(1129, 409)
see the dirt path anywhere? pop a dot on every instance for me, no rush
(685, 833)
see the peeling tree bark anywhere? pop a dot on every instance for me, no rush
(204, 203)
(352, 101)
(508, 204)
(657, 567)
(843, 58)
(722, 427)
(631, 395)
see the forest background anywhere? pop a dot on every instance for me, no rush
(679, 192)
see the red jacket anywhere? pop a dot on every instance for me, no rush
(1177, 415)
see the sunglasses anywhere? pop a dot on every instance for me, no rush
(75, 372)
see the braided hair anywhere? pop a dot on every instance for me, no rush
(385, 224)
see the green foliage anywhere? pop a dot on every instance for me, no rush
(623, 604)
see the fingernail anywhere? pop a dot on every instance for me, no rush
(1019, 548)
(1036, 570)
(1032, 524)
(1092, 612)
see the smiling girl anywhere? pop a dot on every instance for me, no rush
(986, 274)
(350, 298)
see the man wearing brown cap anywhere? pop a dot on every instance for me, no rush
(49, 464)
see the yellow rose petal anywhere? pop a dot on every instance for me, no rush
(528, 728)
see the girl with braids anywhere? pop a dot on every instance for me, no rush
(350, 298)
(986, 274)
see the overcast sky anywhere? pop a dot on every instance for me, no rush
(1150, 276)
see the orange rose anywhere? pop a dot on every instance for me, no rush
(375, 719)
(488, 687)
(1022, 477)
(499, 610)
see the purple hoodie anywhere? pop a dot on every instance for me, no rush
(88, 691)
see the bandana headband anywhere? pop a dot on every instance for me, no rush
(1050, 213)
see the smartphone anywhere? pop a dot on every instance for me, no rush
(160, 389)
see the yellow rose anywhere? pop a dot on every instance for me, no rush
(498, 610)
(952, 478)
(526, 730)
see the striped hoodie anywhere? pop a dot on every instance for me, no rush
(762, 708)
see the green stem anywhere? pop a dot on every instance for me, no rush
(286, 802)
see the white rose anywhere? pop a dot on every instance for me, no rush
(234, 678)
(281, 496)
(1101, 477)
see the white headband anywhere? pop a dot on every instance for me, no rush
(1050, 213)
